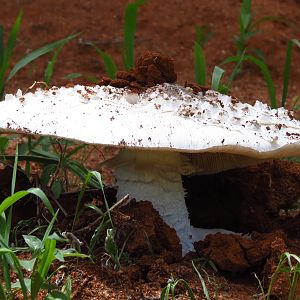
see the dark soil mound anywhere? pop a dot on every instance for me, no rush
(150, 69)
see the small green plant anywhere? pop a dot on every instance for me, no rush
(204, 262)
(6, 52)
(7, 256)
(203, 35)
(289, 265)
(249, 27)
(266, 72)
(56, 159)
(130, 21)
(105, 224)
(169, 289)
(43, 251)
(218, 72)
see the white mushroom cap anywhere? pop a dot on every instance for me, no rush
(164, 117)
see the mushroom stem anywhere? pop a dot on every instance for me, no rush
(155, 176)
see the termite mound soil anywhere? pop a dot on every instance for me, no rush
(151, 68)
(259, 198)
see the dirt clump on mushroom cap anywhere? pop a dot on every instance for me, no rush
(150, 69)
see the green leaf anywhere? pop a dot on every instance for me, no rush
(110, 244)
(12, 38)
(14, 175)
(39, 52)
(2, 293)
(204, 288)
(56, 295)
(203, 35)
(57, 188)
(34, 243)
(44, 263)
(9, 201)
(45, 154)
(73, 76)
(264, 70)
(216, 78)
(48, 170)
(49, 228)
(109, 65)
(50, 66)
(1, 45)
(27, 264)
(17, 268)
(245, 15)
(130, 18)
(75, 150)
(39, 193)
(36, 158)
(3, 144)
(287, 69)
(200, 65)
(234, 72)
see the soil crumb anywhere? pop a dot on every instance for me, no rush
(150, 69)
(242, 253)
(146, 235)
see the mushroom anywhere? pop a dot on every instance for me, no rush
(163, 132)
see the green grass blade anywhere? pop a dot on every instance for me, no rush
(200, 65)
(79, 170)
(203, 34)
(235, 71)
(12, 38)
(9, 201)
(165, 293)
(2, 294)
(109, 64)
(44, 264)
(97, 175)
(264, 70)
(7, 52)
(49, 228)
(245, 15)
(73, 76)
(1, 45)
(204, 288)
(130, 18)
(35, 158)
(75, 150)
(4, 141)
(216, 78)
(6, 274)
(14, 175)
(39, 52)
(50, 66)
(39, 193)
(287, 69)
(18, 269)
(80, 196)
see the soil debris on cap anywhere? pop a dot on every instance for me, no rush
(196, 88)
(150, 69)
